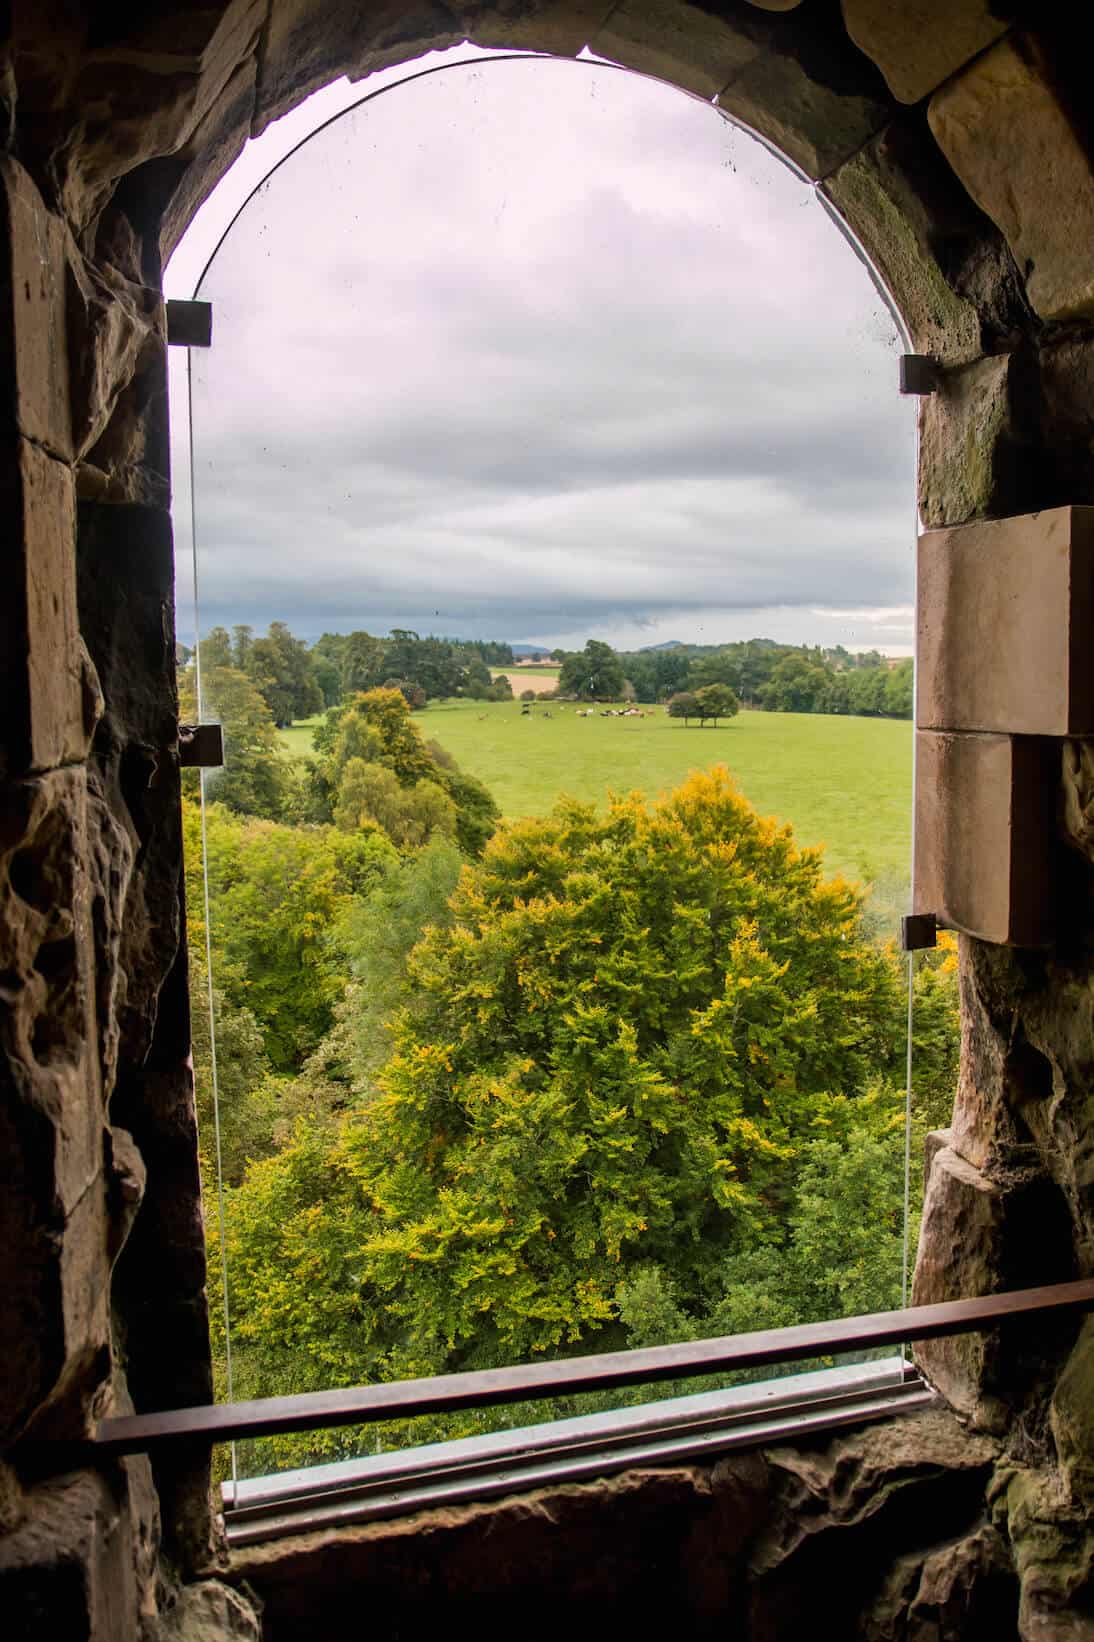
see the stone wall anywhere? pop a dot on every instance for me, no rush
(954, 138)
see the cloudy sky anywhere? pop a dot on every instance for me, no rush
(542, 351)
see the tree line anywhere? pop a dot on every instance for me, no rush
(603, 1078)
(760, 673)
(296, 680)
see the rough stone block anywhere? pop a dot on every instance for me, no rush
(1005, 610)
(560, 26)
(971, 436)
(902, 202)
(54, 1302)
(979, 1236)
(918, 46)
(678, 43)
(984, 829)
(208, 1612)
(33, 348)
(792, 101)
(844, 1509)
(45, 684)
(1022, 159)
(1072, 1415)
(68, 1570)
(308, 43)
(141, 93)
(1066, 380)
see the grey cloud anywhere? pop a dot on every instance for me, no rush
(554, 379)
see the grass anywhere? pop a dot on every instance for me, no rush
(845, 783)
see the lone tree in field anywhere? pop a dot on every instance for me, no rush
(618, 1042)
(684, 704)
(716, 701)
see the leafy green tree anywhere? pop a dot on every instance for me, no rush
(899, 690)
(716, 701)
(256, 778)
(684, 704)
(376, 936)
(477, 680)
(592, 674)
(275, 895)
(615, 1056)
(363, 661)
(242, 639)
(409, 815)
(376, 729)
(215, 649)
(796, 683)
(281, 667)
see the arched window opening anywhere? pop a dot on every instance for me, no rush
(554, 525)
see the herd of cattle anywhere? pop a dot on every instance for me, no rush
(586, 712)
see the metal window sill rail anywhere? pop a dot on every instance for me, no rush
(670, 1431)
(316, 1410)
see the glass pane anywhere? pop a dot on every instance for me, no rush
(554, 508)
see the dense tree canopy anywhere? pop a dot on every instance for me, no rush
(624, 1034)
(592, 674)
(374, 767)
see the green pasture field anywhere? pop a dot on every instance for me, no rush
(297, 737)
(845, 783)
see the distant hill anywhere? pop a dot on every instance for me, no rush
(529, 650)
(669, 644)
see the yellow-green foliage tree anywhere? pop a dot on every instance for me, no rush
(619, 1046)
(375, 767)
(275, 894)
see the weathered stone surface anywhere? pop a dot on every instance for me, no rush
(47, 688)
(982, 1235)
(208, 1612)
(918, 46)
(1004, 612)
(844, 1511)
(68, 1569)
(164, 194)
(560, 26)
(112, 328)
(1053, 1548)
(1066, 379)
(646, 1549)
(679, 43)
(140, 94)
(1018, 153)
(803, 103)
(892, 195)
(973, 436)
(308, 43)
(160, 1277)
(1072, 1416)
(33, 340)
(1027, 1072)
(966, 1588)
(985, 833)
(54, 1301)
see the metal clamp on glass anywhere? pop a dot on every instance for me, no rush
(918, 931)
(201, 746)
(918, 374)
(189, 324)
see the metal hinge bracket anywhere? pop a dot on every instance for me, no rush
(201, 746)
(918, 931)
(919, 374)
(189, 324)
